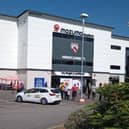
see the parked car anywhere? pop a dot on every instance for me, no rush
(4, 86)
(42, 95)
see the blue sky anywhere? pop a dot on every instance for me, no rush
(114, 13)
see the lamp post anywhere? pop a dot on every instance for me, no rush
(82, 16)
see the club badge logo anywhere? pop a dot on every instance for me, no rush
(74, 47)
(56, 27)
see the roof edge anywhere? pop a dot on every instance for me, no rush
(120, 37)
(8, 17)
(60, 18)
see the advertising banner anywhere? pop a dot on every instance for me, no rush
(70, 82)
(38, 82)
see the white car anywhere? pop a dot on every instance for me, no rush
(42, 95)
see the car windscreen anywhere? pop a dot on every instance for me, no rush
(55, 90)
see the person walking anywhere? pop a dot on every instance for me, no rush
(61, 87)
(74, 92)
(93, 91)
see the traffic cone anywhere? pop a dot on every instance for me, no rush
(82, 101)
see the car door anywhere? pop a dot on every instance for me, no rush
(35, 95)
(44, 93)
(31, 95)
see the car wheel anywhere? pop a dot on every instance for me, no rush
(19, 99)
(43, 101)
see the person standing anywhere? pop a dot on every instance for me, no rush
(18, 86)
(68, 94)
(93, 91)
(45, 84)
(66, 91)
(61, 87)
(22, 86)
(74, 92)
(89, 89)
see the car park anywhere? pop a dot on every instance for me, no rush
(41, 95)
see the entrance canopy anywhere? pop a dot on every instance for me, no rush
(11, 78)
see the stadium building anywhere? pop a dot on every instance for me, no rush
(42, 49)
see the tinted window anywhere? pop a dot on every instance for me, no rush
(115, 47)
(55, 90)
(64, 59)
(32, 91)
(28, 91)
(71, 62)
(43, 90)
(114, 67)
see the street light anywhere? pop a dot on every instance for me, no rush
(82, 16)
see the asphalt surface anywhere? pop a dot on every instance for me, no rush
(15, 115)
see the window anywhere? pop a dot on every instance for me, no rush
(35, 91)
(117, 67)
(115, 47)
(89, 63)
(55, 90)
(71, 62)
(32, 91)
(43, 90)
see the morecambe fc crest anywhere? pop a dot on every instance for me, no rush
(74, 47)
(56, 28)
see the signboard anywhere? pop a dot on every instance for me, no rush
(70, 82)
(67, 81)
(68, 31)
(38, 82)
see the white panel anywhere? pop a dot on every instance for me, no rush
(31, 75)
(22, 41)
(39, 43)
(117, 57)
(101, 49)
(8, 44)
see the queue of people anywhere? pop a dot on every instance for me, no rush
(68, 93)
(72, 93)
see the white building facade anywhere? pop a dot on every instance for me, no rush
(37, 48)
